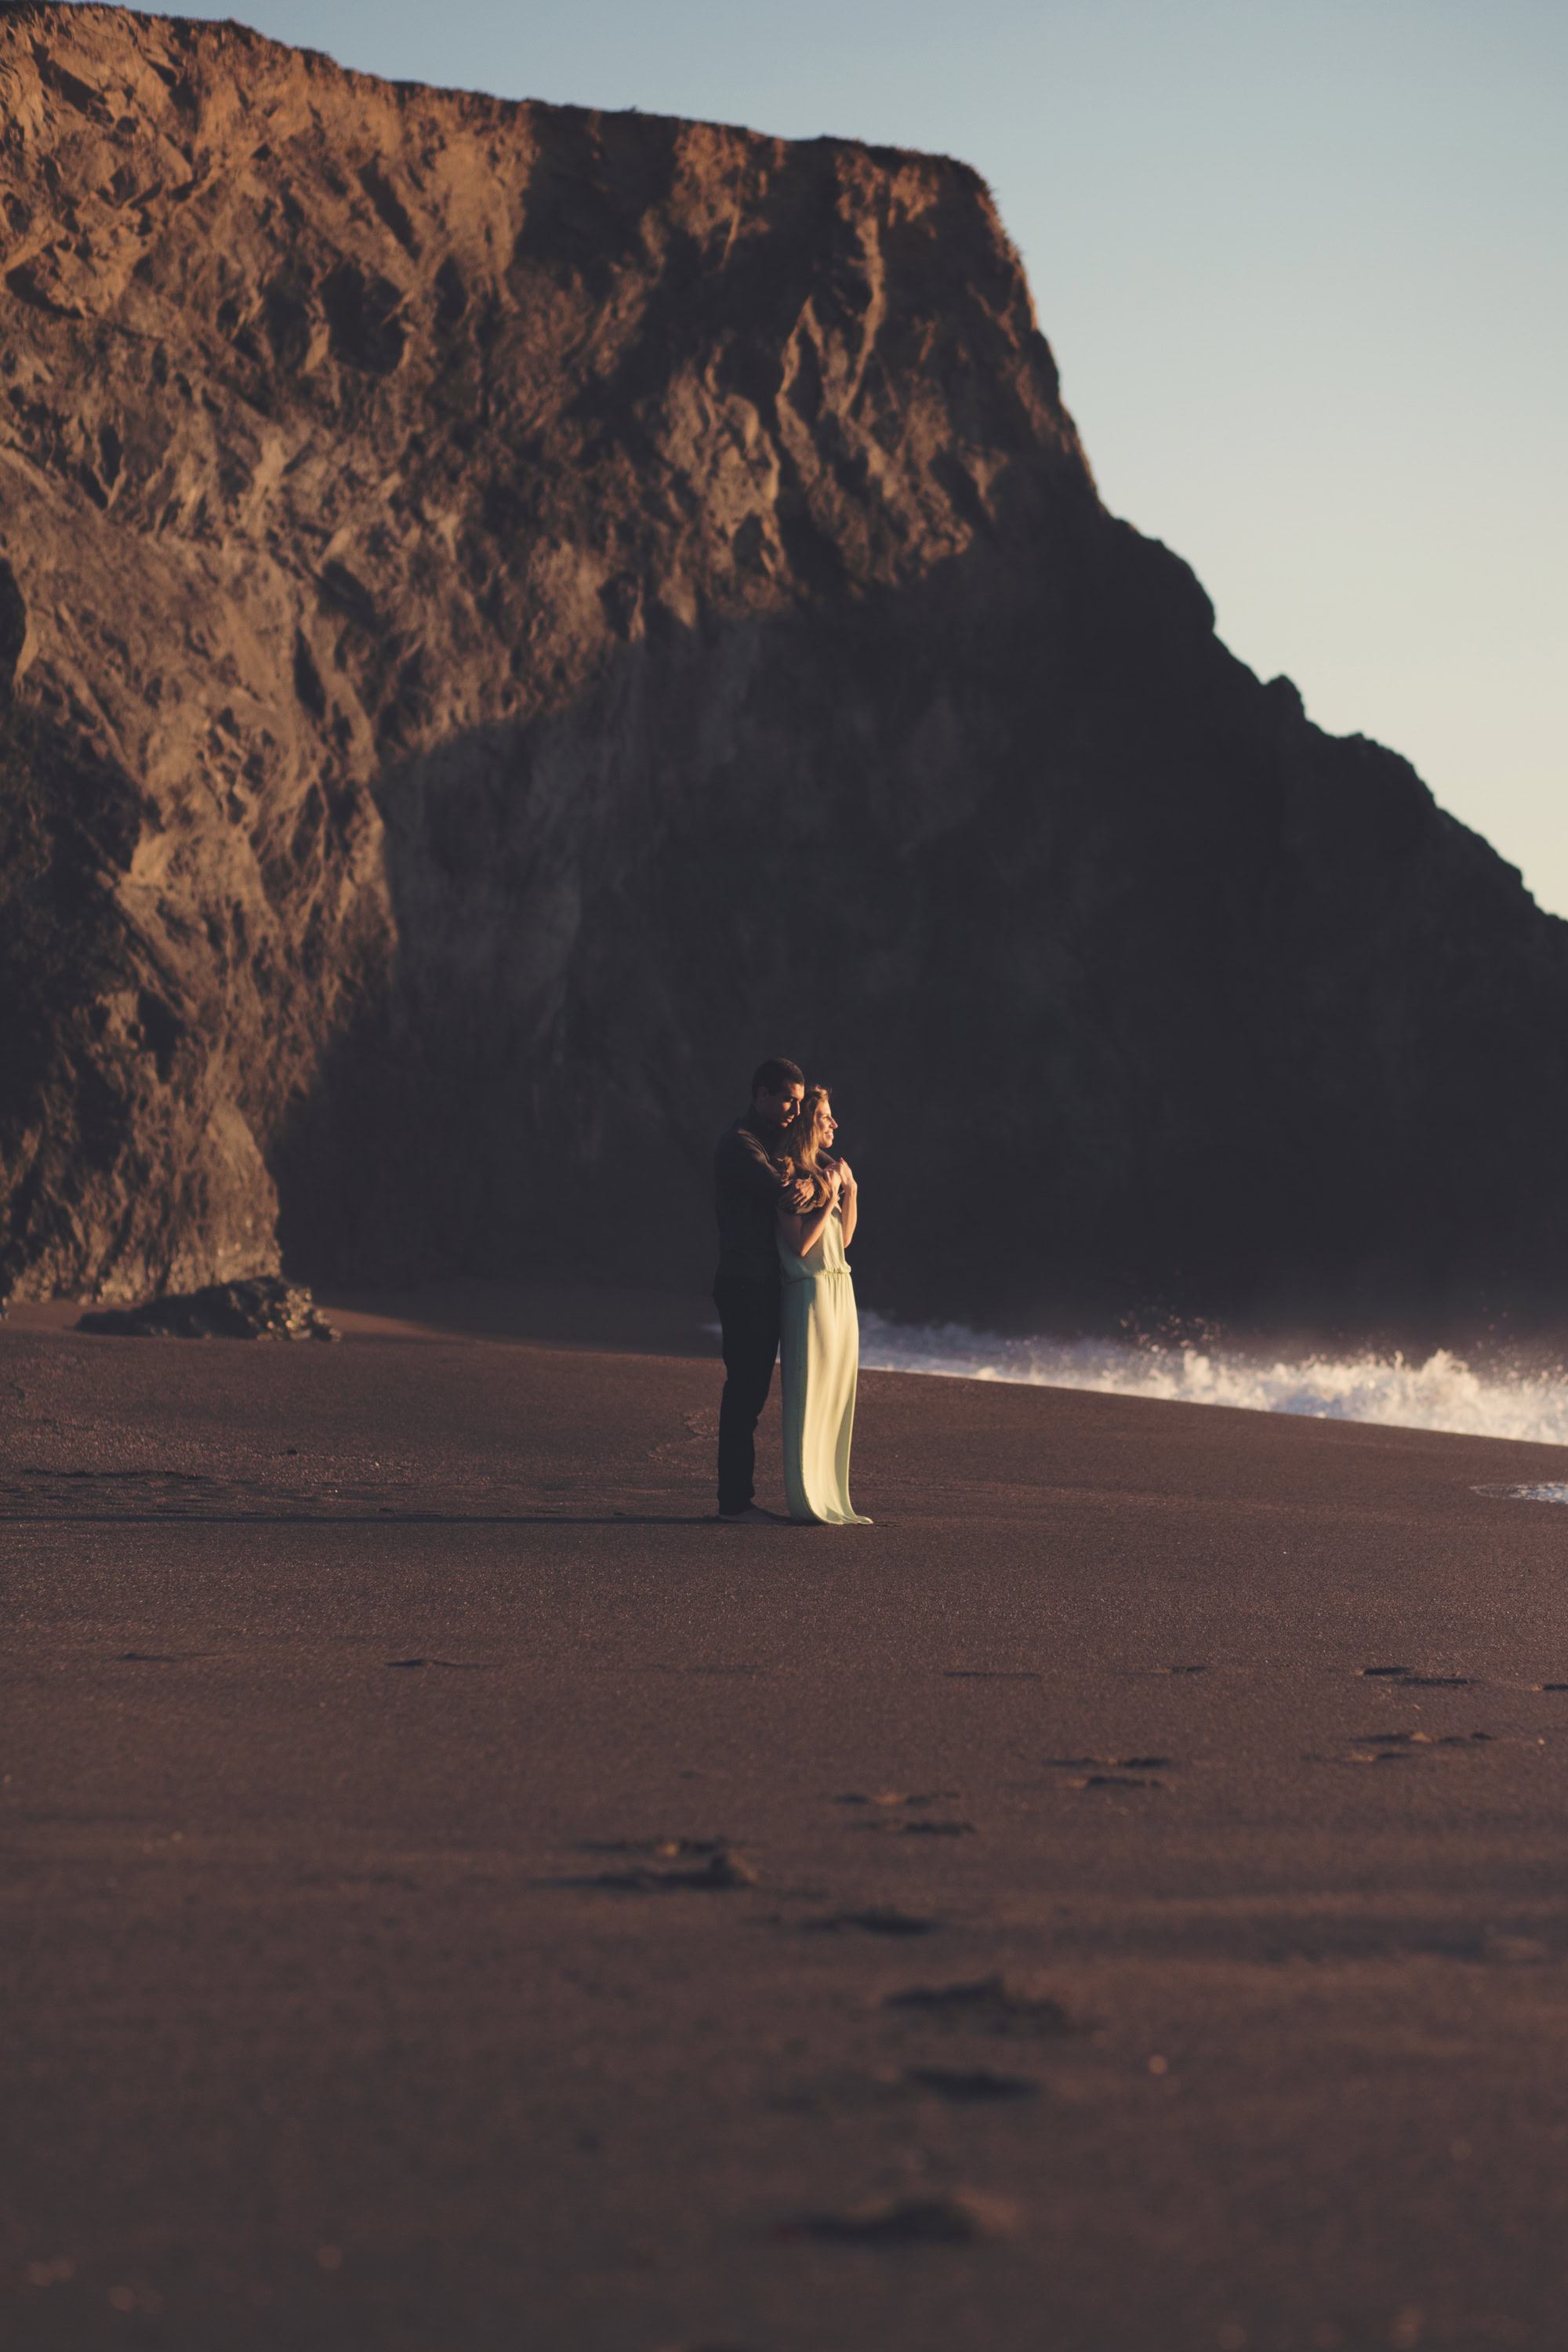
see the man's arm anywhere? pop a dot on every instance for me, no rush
(746, 1165)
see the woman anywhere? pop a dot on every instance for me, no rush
(820, 1338)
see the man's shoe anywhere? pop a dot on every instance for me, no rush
(750, 1518)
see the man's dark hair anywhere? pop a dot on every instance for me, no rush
(771, 1077)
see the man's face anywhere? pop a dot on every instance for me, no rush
(779, 1110)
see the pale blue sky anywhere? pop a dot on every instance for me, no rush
(1301, 267)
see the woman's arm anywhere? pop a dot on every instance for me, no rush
(803, 1232)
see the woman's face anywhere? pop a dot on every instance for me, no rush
(827, 1126)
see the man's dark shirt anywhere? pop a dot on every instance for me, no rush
(747, 1185)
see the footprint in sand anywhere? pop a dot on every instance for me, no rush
(963, 2217)
(1411, 1680)
(1109, 1771)
(974, 2086)
(661, 1849)
(1390, 1747)
(720, 1875)
(852, 2093)
(891, 1826)
(890, 1805)
(999, 2004)
(898, 1797)
(875, 1922)
(452, 1665)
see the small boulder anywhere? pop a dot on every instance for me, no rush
(265, 1307)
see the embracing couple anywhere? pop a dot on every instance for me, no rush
(787, 1208)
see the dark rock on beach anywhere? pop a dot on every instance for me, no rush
(266, 1309)
(508, 613)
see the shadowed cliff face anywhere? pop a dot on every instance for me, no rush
(515, 613)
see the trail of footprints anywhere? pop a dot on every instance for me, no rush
(1403, 1743)
(999, 2007)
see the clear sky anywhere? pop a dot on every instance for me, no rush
(1301, 264)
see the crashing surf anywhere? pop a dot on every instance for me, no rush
(1441, 1391)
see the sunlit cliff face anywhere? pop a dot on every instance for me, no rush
(512, 610)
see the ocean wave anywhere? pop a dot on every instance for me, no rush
(1440, 1391)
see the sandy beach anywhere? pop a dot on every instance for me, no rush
(458, 1896)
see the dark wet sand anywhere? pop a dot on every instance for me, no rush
(319, 2031)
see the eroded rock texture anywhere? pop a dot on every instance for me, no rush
(264, 1306)
(515, 612)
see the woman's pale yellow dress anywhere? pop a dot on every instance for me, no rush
(820, 1344)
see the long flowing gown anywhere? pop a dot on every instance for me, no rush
(820, 1344)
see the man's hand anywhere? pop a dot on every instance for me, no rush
(797, 1199)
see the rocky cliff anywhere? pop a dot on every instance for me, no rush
(508, 612)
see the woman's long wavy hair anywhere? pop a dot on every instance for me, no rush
(799, 1145)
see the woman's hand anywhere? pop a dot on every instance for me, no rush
(802, 1228)
(841, 1176)
(849, 1200)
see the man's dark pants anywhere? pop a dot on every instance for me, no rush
(749, 1312)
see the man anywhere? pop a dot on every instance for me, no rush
(749, 1187)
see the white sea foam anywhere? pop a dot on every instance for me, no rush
(1442, 1392)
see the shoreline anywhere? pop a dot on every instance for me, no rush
(1518, 1399)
